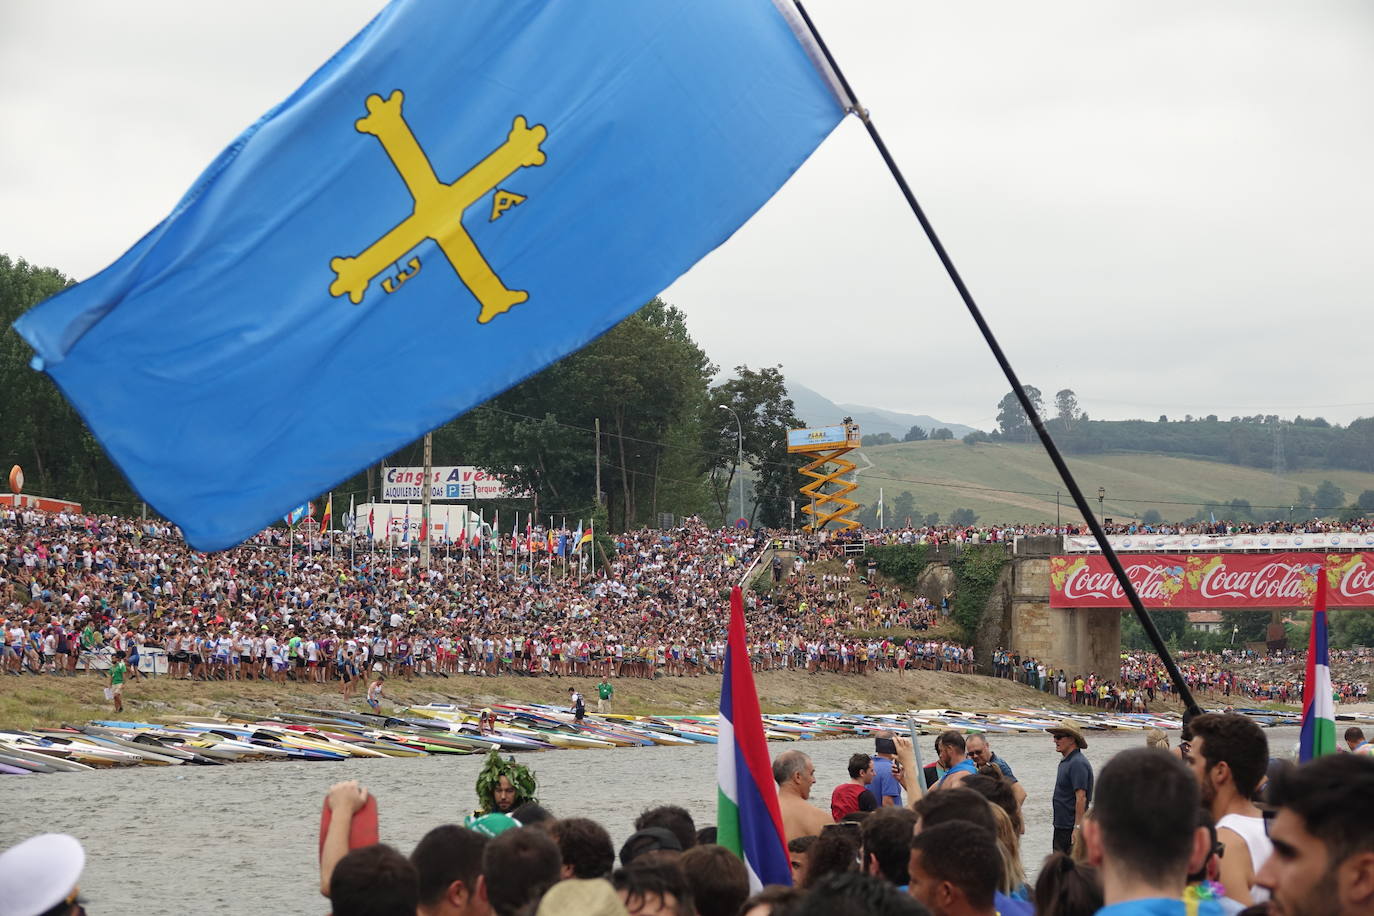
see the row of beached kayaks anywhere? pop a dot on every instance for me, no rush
(434, 729)
(419, 731)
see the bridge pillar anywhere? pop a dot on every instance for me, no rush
(1077, 640)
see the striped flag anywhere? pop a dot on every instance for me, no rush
(328, 513)
(1318, 735)
(748, 819)
(405, 527)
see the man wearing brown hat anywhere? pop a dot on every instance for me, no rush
(1073, 785)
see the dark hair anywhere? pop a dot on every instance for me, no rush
(1066, 888)
(519, 865)
(1354, 733)
(780, 899)
(965, 855)
(718, 880)
(952, 739)
(801, 843)
(1333, 795)
(706, 836)
(858, 763)
(444, 855)
(1145, 805)
(1204, 820)
(886, 836)
(374, 881)
(585, 845)
(956, 804)
(834, 851)
(1237, 741)
(671, 817)
(654, 873)
(853, 894)
(998, 791)
(531, 814)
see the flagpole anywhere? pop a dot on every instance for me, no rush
(1180, 686)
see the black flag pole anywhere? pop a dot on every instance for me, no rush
(1184, 694)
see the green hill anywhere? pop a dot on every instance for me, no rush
(1017, 483)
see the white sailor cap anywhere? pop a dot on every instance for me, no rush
(39, 873)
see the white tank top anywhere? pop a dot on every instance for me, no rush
(1251, 830)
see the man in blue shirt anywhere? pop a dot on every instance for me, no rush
(981, 753)
(950, 747)
(1073, 785)
(885, 786)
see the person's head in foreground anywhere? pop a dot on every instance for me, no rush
(716, 878)
(1143, 835)
(518, 866)
(1323, 835)
(955, 869)
(448, 863)
(374, 881)
(654, 885)
(39, 876)
(853, 894)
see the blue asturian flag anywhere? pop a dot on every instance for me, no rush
(484, 185)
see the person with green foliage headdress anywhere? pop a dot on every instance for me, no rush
(504, 785)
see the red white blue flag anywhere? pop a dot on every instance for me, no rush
(1318, 734)
(748, 818)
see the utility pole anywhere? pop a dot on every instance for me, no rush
(598, 461)
(424, 502)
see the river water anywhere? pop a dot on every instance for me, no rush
(172, 840)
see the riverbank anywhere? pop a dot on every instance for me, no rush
(47, 701)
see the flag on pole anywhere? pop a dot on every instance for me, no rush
(405, 526)
(303, 511)
(513, 177)
(577, 535)
(352, 525)
(748, 818)
(371, 524)
(328, 513)
(1318, 734)
(586, 536)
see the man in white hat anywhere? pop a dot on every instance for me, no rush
(39, 876)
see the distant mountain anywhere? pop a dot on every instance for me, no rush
(815, 409)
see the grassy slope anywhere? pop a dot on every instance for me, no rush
(1154, 480)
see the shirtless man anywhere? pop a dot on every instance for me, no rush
(795, 775)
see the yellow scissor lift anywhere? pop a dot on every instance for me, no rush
(828, 445)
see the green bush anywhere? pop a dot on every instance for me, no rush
(976, 571)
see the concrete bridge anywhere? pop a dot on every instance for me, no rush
(1018, 616)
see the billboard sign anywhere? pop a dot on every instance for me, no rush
(463, 482)
(1218, 580)
(820, 438)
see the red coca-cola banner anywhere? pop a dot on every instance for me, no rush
(1214, 580)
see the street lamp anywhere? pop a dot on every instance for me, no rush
(739, 458)
(1101, 501)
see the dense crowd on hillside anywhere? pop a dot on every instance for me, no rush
(276, 608)
(321, 611)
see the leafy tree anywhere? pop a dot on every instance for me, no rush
(903, 508)
(963, 517)
(1066, 406)
(877, 439)
(766, 413)
(1239, 510)
(1351, 628)
(1012, 419)
(941, 433)
(1251, 626)
(915, 434)
(975, 437)
(931, 520)
(1366, 500)
(1151, 517)
(1328, 498)
(39, 430)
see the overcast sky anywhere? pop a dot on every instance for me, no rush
(1165, 206)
